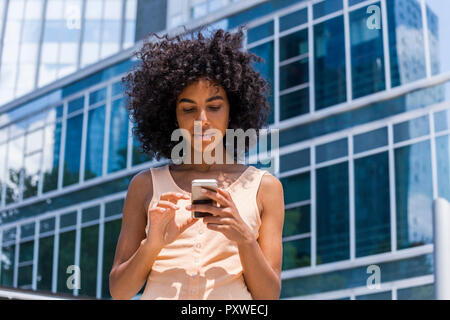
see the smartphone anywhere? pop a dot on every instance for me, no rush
(199, 198)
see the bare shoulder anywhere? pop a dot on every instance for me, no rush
(141, 187)
(270, 191)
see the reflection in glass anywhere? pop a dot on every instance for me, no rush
(366, 55)
(94, 143)
(72, 150)
(329, 63)
(413, 194)
(438, 35)
(443, 166)
(31, 175)
(66, 258)
(138, 156)
(293, 74)
(14, 172)
(2, 167)
(406, 43)
(266, 69)
(332, 212)
(7, 265)
(296, 188)
(112, 231)
(45, 263)
(297, 221)
(25, 270)
(296, 253)
(88, 260)
(118, 137)
(294, 44)
(372, 205)
(51, 156)
(425, 292)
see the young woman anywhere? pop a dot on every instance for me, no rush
(237, 252)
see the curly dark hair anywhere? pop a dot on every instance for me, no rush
(169, 65)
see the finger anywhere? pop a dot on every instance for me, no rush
(168, 205)
(216, 197)
(206, 208)
(217, 220)
(217, 227)
(173, 196)
(225, 194)
(189, 222)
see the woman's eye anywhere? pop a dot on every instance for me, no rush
(215, 108)
(189, 110)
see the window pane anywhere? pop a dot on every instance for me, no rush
(425, 292)
(297, 159)
(66, 258)
(266, 69)
(7, 265)
(296, 188)
(118, 137)
(331, 150)
(90, 214)
(45, 264)
(438, 35)
(112, 231)
(31, 175)
(441, 120)
(88, 260)
(370, 140)
(294, 44)
(413, 193)
(443, 166)
(138, 157)
(329, 63)
(47, 225)
(15, 160)
(73, 143)
(260, 32)
(372, 213)
(94, 143)
(51, 157)
(2, 166)
(114, 207)
(75, 104)
(406, 42)
(294, 74)
(326, 7)
(293, 19)
(366, 54)
(296, 254)
(297, 221)
(68, 220)
(387, 295)
(97, 96)
(332, 213)
(411, 129)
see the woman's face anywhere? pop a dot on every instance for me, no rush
(206, 104)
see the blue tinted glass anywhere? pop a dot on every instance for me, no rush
(90, 214)
(47, 225)
(51, 156)
(51, 30)
(387, 295)
(94, 143)
(92, 30)
(66, 257)
(411, 129)
(366, 55)
(333, 238)
(260, 32)
(413, 194)
(425, 292)
(266, 69)
(294, 44)
(296, 188)
(296, 253)
(356, 277)
(7, 266)
(114, 207)
(72, 150)
(329, 63)
(69, 33)
(45, 263)
(297, 221)
(438, 33)
(372, 213)
(331, 150)
(353, 2)
(370, 140)
(118, 137)
(117, 88)
(326, 7)
(441, 120)
(294, 104)
(68, 220)
(294, 160)
(443, 166)
(407, 56)
(75, 105)
(97, 96)
(293, 19)
(137, 156)
(88, 260)
(294, 74)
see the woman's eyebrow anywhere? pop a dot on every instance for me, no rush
(208, 100)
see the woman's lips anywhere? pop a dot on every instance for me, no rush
(205, 137)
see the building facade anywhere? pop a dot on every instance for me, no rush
(361, 98)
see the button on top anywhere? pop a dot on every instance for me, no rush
(198, 245)
(200, 231)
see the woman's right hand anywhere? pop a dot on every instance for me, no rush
(163, 227)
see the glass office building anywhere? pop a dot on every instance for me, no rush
(361, 98)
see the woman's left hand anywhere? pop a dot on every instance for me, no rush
(226, 218)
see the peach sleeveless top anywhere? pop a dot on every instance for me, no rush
(202, 263)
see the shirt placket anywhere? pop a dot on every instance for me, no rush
(194, 283)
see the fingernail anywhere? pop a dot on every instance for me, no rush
(177, 207)
(188, 207)
(203, 190)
